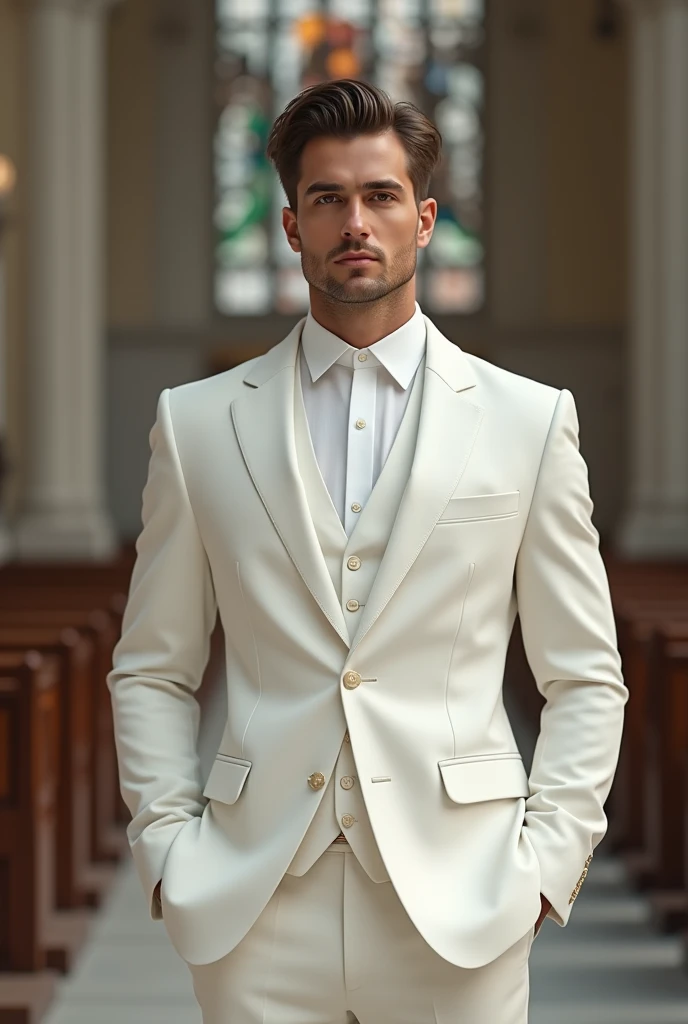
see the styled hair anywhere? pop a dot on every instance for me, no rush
(347, 108)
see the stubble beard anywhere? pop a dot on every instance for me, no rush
(402, 269)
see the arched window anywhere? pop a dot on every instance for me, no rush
(428, 51)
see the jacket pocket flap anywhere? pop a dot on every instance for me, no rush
(468, 781)
(227, 778)
(481, 506)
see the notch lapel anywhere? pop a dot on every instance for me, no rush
(263, 420)
(447, 430)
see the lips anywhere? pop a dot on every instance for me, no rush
(357, 260)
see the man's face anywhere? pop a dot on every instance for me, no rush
(354, 197)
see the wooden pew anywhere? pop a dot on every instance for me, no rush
(37, 935)
(29, 724)
(75, 653)
(100, 628)
(636, 621)
(668, 776)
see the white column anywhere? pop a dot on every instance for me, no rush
(63, 512)
(7, 179)
(656, 524)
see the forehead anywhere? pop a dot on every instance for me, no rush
(352, 161)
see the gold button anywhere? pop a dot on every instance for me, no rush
(348, 820)
(362, 356)
(346, 782)
(352, 680)
(360, 424)
(354, 562)
(353, 605)
(347, 738)
(355, 507)
(316, 780)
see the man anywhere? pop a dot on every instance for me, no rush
(368, 508)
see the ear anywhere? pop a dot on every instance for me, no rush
(290, 228)
(427, 215)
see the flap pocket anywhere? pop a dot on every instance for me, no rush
(227, 778)
(471, 780)
(481, 506)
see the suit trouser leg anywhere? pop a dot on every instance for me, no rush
(333, 947)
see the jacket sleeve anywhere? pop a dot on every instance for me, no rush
(159, 661)
(569, 637)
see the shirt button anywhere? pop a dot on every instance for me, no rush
(347, 738)
(346, 782)
(360, 424)
(348, 820)
(354, 562)
(362, 356)
(355, 507)
(353, 605)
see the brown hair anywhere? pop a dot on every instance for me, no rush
(347, 108)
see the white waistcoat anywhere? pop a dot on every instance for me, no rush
(342, 796)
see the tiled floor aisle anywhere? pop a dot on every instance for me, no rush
(606, 967)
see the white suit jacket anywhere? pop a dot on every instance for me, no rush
(495, 519)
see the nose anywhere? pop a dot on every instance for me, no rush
(355, 225)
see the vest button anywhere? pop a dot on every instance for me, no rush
(352, 680)
(356, 507)
(354, 562)
(346, 782)
(348, 820)
(353, 605)
(316, 780)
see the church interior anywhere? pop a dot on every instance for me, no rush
(141, 247)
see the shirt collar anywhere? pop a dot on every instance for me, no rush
(399, 352)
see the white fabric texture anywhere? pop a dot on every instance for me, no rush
(333, 948)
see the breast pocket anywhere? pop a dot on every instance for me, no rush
(481, 506)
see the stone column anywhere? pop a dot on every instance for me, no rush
(63, 514)
(7, 180)
(656, 523)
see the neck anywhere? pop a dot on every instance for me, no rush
(361, 324)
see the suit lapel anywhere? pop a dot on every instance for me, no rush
(263, 419)
(447, 429)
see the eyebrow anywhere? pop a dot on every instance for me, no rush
(334, 186)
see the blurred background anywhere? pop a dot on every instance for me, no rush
(141, 247)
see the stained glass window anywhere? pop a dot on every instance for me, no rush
(428, 51)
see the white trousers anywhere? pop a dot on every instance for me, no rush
(333, 947)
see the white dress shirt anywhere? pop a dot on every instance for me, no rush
(355, 400)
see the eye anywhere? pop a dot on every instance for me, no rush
(387, 195)
(320, 200)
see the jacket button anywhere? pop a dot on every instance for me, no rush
(352, 680)
(354, 562)
(316, 780)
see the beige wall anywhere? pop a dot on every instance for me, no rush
(557, 166)
(131, 163)
(585, 141)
